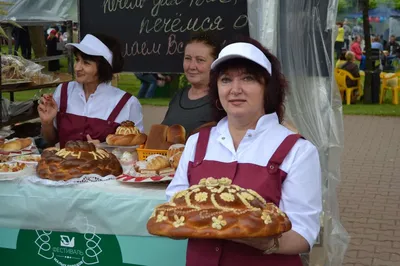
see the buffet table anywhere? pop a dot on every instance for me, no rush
(98, 223)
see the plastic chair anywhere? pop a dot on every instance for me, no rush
(340, 77)
(390, 81)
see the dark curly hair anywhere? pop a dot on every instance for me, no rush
(275, 85)
(105, 71)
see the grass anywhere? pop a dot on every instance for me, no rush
(372, 109)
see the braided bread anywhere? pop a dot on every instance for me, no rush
(76, 159)
(217, 209)
(126, 135)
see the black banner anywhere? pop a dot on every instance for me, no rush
(153, 32)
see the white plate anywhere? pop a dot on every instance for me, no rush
(152, 179)
(21, 159)
(12, 175)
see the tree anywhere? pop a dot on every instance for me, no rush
(367, 39)
(354, 5)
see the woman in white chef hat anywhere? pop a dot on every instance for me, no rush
(89, 108)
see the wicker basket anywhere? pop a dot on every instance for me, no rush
(144, 153)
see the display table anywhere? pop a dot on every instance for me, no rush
(100, 223)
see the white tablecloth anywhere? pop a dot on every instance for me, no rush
(109, 207)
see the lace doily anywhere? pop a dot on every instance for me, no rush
(74, 181)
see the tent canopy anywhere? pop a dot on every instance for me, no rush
(31, 11)
(385, 12)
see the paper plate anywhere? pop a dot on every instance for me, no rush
(27, 159)
(12, 175)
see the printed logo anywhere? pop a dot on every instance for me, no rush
(66, 242)
(72, 249)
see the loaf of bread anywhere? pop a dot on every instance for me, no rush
(76, 159)
(157, 162)
(126, 135)
(176, 134)
(217, 209)
(157, 137)
(16, 145)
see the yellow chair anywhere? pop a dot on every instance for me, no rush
(340, 77)
(390, 81)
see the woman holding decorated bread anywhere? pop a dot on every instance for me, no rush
(89, 108)
(191, 106)
(251, 147)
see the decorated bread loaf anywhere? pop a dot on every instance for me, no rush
(127, 134)
(76, 159)
(217, 209)
(16, 145)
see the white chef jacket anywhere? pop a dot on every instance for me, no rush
(100, 104)
(301, 196)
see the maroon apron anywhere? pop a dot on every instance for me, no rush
(266, 180)
(76, 127)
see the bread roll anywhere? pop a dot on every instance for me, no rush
(16, 145)
(216, 209)
(126, 135)
(174, 149)
(176, 134)
(157, 162)
(174, 160)
(157, 137)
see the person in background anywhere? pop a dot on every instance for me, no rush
(248, 91)
(356, 49)
(149, 83)
(376, 43)
(392, 45)
(339, 43)
(347, 34)
(357, 30)
(342, 59)
(191, 106)
(351, 67)
(89, 108)
(51, 42)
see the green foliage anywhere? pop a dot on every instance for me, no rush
(351, 5)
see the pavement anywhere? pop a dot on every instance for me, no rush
(369, 193)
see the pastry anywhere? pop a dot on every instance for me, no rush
(219, 210)
(176, 134)
(174, 149)
(16, 145)
(76, 159)
(157, 162)
(174, 160)
(126, 135)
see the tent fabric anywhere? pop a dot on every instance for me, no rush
(43, 10)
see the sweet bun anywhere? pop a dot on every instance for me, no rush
(127, 134)
(16, 145)
(76, 159)
(174, 160)
(157, 162)
(216, 209)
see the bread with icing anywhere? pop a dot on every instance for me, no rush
(76, 159)
(217, 209)
(174, 149)
(127, 134)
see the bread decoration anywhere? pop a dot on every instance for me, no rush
(76, 159)
(127, 134)
(215, 208)
(16, 145)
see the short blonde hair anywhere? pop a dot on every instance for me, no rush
(349, 56)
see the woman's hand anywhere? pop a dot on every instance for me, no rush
(47, 109)
(90, 140)
(261, 243)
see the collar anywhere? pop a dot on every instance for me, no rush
(101, 88)
(264, 123)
